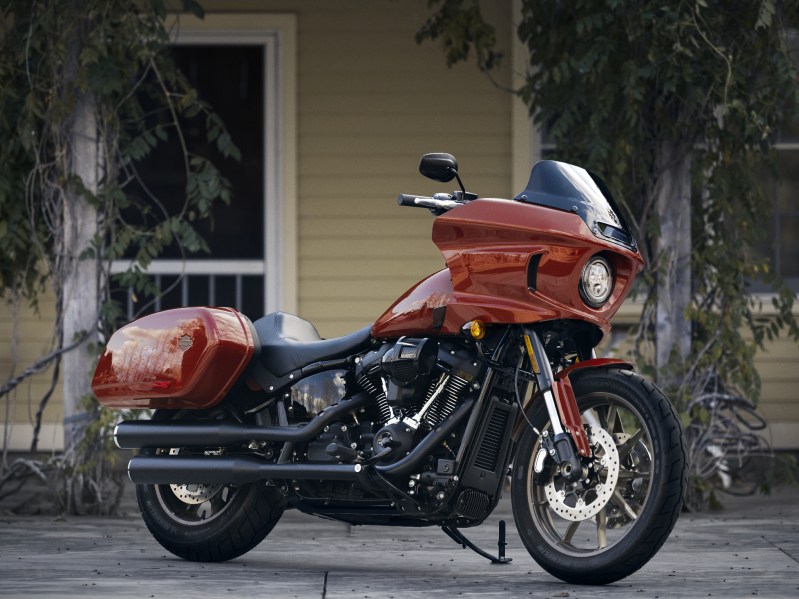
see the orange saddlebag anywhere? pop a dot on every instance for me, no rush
(183, 358)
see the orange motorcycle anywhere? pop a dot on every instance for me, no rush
(483, 370)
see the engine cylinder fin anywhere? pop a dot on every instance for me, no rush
(378, 395)
(430, 391)
(447, 402)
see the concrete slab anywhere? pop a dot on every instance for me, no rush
(749, 549)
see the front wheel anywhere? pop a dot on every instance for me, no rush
(208, 523)
(611, 522)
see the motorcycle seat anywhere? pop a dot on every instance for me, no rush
(289, 343)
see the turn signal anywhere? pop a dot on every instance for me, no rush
(477, 329)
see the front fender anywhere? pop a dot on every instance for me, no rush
(594, 363)
(564, 396)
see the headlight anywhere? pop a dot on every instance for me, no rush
(596, 282)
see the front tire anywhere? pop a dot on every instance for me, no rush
(602, 530)
(208, 523)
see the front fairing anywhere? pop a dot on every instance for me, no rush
(521, 261)
(573, 189)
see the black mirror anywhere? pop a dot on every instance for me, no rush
(439, 167)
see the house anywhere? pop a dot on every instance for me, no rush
(338, 103)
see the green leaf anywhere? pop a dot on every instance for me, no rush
(766, 14)
(194, 8)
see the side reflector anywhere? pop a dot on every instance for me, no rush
(533, 362)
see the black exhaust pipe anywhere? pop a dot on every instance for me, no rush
(140, 434)
(411, 461)
(162, 470)
(165, 469)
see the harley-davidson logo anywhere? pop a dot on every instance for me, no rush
(185, 342)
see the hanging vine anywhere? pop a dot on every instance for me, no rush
(97, 70)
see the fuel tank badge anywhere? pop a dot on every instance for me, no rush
(185, 342)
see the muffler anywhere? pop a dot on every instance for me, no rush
(161, 470)
(140, 434)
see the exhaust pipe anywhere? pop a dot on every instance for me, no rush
(159, 470)
(140, 434)
(162, 470)
(411, 461)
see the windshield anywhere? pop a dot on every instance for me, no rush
(574, 189)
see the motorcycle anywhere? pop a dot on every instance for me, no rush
(483, 370)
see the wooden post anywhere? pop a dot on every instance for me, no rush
(673, 257)
(79, 273)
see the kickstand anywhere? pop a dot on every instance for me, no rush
(460, 539)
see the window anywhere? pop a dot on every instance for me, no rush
(784, 251)
(243, 66)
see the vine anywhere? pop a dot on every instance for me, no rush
(92, 78)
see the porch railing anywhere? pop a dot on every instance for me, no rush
(198, 282)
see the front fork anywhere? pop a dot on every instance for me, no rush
(568, 442)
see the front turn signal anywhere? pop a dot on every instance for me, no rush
(477, 330)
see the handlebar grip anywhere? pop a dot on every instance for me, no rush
(405, 199)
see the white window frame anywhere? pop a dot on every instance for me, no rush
(277, 34)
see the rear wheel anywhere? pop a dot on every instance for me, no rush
(610, 523)
(207, 523)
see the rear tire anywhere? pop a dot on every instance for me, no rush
(601, 532)
(208, 523)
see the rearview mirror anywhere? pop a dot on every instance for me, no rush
(439, 167)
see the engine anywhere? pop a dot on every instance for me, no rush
(407, 366)
(415, 383)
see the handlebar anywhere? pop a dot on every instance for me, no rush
(407, 199)
(434, 203)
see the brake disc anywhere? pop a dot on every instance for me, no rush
(581, 502)
(195, 493)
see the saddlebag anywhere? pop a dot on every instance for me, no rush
(183, 358)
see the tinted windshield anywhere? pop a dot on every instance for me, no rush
(574, 189)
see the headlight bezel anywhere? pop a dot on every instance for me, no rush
(589, 283)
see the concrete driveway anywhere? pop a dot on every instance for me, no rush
(749, 549)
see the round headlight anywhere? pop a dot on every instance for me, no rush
(596, 282)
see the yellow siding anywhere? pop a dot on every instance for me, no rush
(33, 338)
(777, 365)
(370, 102)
